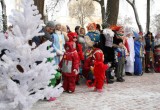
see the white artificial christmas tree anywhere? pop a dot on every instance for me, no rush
(22, 81)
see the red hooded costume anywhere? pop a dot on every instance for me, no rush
(99, 69)
(71, 36)
(69, 66)
(95, 59)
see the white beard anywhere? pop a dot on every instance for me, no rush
(58, 32)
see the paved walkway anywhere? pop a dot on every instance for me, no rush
(136, 93)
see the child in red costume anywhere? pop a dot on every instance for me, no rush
(73, 38)
(94, 69)
(99, 70)
(69, 66)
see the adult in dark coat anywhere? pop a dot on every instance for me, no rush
(106, 42)
(149, 48)
(48, 31)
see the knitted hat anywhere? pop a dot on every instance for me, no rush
(50, 24)
(140, 33)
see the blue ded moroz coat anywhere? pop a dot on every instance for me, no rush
(138, 61)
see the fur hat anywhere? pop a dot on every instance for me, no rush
(50, 24)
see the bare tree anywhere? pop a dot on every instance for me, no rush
(125, 21)
(112, 12)
(81, 10)
(4, 16)
(148, 16)
(132, 3)
(156, 23)
(53, 6)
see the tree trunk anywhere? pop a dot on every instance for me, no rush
(4, 16)
(103, 11)
(40, 7)
(112, 11)
(148, 16)
(136, 15)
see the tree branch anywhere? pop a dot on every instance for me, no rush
(53, 5)
(136, 15)
(133, 1)
(129, 2)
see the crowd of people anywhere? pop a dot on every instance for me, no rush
(98, 55)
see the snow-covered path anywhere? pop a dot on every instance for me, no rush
(136, 93)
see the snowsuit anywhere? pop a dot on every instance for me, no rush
(99, 70)
(69, 66)
(78, 48)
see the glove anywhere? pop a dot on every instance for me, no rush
(109, 64)
(75, 71)
(112, 73)
(59, 52)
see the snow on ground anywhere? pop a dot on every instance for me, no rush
(136, 93)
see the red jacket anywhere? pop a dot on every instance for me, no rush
(70, 60)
